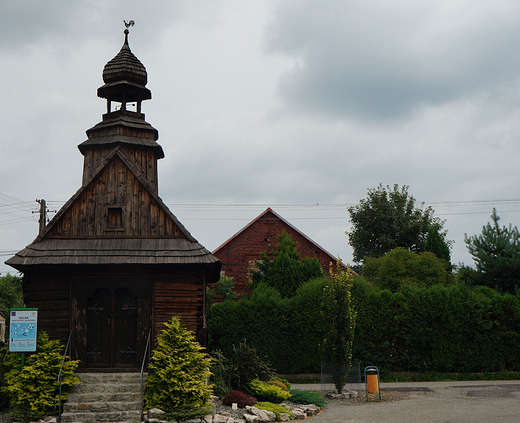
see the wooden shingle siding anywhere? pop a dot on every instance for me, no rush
(116, 186)
(144, 161)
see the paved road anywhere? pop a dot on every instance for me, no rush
(461, 402)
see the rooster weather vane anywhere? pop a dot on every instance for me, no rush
(129, 24)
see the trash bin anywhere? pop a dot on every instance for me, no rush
(372, 381)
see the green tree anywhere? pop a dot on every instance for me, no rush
(402, 267)
(287, 271)
(340, 320)
(496, 253)
(223, 288)
(437, 244)
(11, 295)
(389, 218)
(178, 372)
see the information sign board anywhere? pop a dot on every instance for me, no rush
(22, 333)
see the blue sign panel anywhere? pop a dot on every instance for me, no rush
(22, 334)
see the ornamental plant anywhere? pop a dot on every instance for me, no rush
(299, 396)
(4, 395)
(178, 372)
(240, 398)
(33, 391)
(340, 320)
(264, 391)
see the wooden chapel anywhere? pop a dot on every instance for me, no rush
(115, 263)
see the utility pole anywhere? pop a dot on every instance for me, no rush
(43, 215)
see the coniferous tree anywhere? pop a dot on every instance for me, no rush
(178, 372)
(340, 320)
(496, 253)
(287, 271)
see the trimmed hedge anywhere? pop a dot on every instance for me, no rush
(438, 329)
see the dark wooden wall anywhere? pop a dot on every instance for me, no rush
(49, 293)
(181, 294)
(61, 299)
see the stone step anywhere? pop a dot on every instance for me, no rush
(102, 406)
(110, 377)
(103, 396)
(107, 387)
(108, 416)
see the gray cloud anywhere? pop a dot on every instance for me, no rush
(382, 60)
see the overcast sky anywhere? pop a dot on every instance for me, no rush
(296, 105)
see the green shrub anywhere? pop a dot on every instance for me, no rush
(279, 384)
(236, 372)
(263, 391)
(275, 408)
(221, 374)
(4, 395)
(184, 413)
(305, 397)
(178, 372)
(247, 365)
(33, 391)
(285, 382)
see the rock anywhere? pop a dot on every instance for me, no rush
(251, 418)
(285, 417)
(299, 415)
(311, 409)
(208, 418)
(261, 414)
(220, 418)
(270, 415)
(155, 413)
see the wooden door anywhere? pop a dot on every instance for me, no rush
(112, 329)
(99, 309)
(125, 334)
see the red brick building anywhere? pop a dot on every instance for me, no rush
(239, 253)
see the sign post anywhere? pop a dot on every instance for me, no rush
(23, 330)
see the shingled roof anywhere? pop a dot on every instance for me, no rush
(49, 250)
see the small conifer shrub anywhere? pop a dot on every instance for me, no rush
(299, 396)
(267, 392)
(33, 391)
(178, 371)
